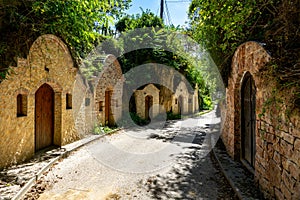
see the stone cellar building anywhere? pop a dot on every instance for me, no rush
(147, 101)
(263, 138)
(37, 102)
(152, 100)
(108, 92)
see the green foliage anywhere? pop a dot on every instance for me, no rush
(206, 103)
(221, 26)
(77, 22)
(146, 19)
(172, 116)
(138, 120)
(158, 45)
(99, 129)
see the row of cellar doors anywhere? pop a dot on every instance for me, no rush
(44, 117)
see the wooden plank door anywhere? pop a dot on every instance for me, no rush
(180, 105)
(108, 106)
(148, 105)
(44, 117)
(248, 120)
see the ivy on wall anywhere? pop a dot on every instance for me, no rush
(221, 26)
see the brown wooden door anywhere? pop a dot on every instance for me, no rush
(248, 120)
(44, 117)
(148, 105)
(108, 106)
(180, 105)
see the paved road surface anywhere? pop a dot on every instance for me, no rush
(170, 161)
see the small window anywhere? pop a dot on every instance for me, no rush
(190, 100)
(21, 105)
(176, 101)
(87, 101)
(117, 103)
(101, 106)
(68, 101)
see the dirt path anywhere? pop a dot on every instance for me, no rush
(173, 162)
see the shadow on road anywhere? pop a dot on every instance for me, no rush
(195, 174)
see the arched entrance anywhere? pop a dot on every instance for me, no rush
(248, 92)
(44, 117)
(108, 110)
(180, 105)
(148, 105)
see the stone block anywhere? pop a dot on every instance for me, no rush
(286, 148)
(294, 170)
(277, 157)
(297, 144)
(270, 150)
(259, 151)
(288, 180)
(274, 173)
(285, 191)
(288, 138)
(296, 191)
(278, 194)
(270, 137)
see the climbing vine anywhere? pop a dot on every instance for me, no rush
(221, 26)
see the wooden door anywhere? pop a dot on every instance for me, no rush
(180, 105)
(108, 112)
(148, 105)
(44, 117)
(248, 120)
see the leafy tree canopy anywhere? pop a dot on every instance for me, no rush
(157, 44)
(223, 25)
(77, 22)
(146, 19)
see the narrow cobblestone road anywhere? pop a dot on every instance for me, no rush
(173, 162)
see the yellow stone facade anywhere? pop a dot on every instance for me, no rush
(49, 61)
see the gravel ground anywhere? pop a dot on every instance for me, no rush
(146, 163)
(15, 177)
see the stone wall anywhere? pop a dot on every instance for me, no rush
(50, 62)
(140, 95)
(83, 106)
(183, 99)
(277, 137)
(109, 83)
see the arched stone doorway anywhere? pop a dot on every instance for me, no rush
(44, 117)
(248, 120)
(109, 120)
(148, 105)
(180, 105)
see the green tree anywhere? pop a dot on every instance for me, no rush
(221, 26)
(146, 19)
(77, 22)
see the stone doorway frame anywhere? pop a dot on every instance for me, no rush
(57, 137)
(250, 166)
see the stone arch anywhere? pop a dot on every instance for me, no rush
(140, 100)
(248, 120)
(183, 96)
(108, 103)
(148, 106)
(249, 57)
(44, 117)
(108, 91)
(57, 109)
(48, 40)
